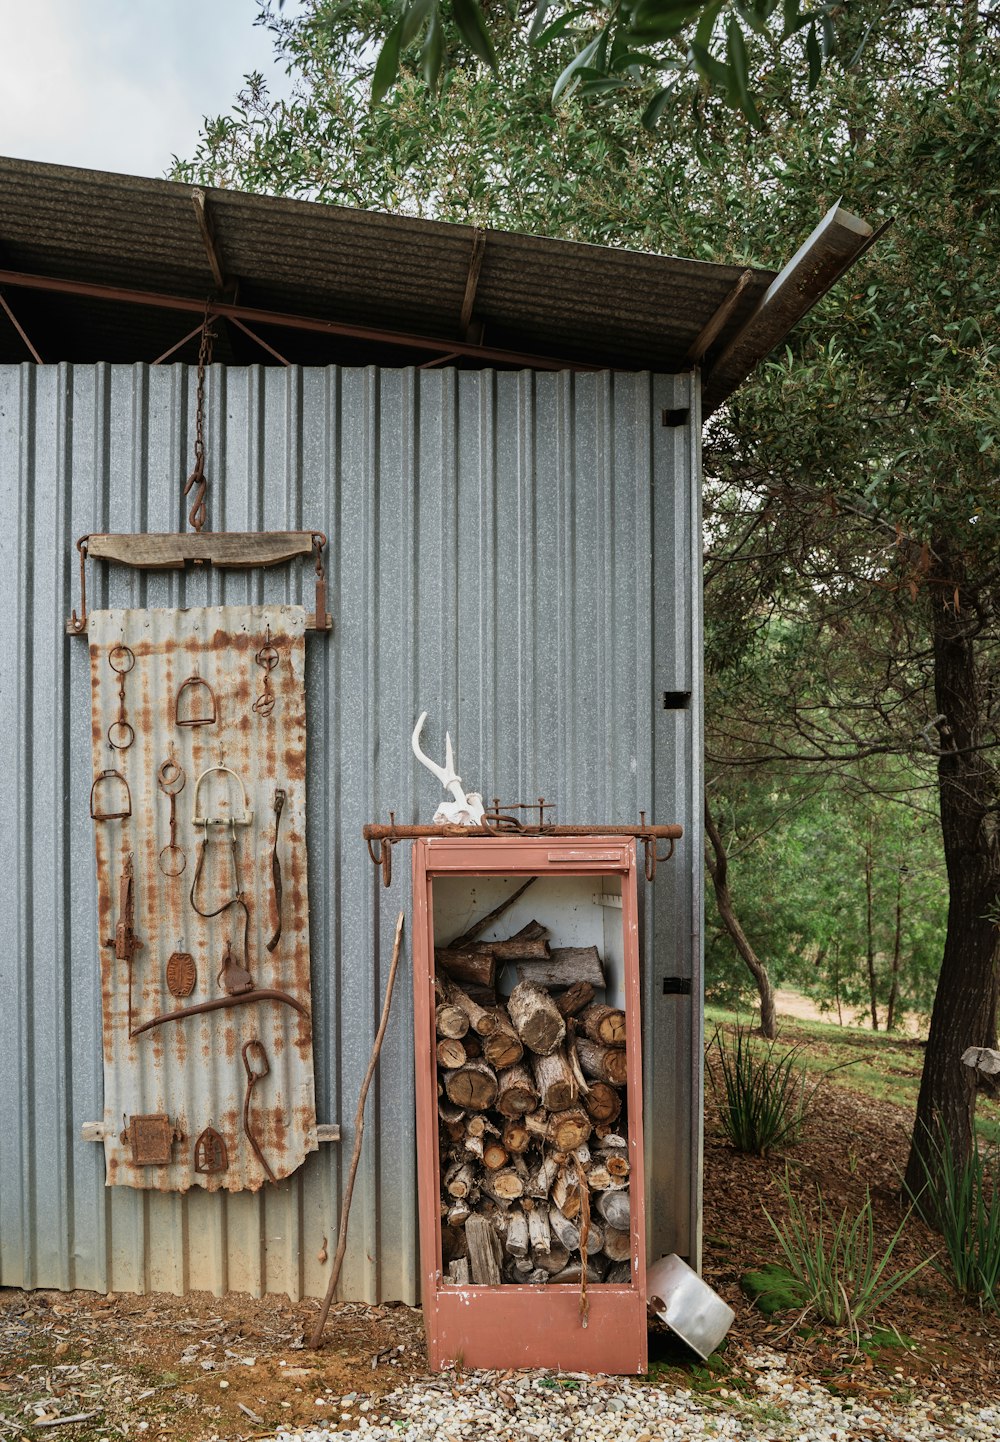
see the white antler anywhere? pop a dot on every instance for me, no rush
(464, 810)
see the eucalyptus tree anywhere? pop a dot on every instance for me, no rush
(853, 485)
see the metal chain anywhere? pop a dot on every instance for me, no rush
(197, 514)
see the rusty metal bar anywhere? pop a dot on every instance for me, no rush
(234, 320)
(177, 344)
(375, 831)
(20, 329)
(283, 321)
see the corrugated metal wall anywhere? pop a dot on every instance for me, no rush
(517, 554)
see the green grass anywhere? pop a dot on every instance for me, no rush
(871, 1063)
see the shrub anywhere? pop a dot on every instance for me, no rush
(961, 1200)
(837, 1273)
(763, 1098)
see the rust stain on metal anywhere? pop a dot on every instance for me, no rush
(177, 1049)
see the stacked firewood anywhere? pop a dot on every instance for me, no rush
(532, 1124)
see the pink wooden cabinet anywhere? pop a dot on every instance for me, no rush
(585, 894)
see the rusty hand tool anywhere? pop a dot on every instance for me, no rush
(279, 802)
(257, 1067)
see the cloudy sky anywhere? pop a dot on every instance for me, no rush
(122, 84)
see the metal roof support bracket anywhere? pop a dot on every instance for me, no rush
(19, 328)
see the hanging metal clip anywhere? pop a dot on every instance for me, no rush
(78, 624)
(320, 618)
(382, 856)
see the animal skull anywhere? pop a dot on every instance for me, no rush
(464, 810)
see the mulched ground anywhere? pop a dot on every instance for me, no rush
(202, 1366)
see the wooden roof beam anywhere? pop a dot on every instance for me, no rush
(835, 244)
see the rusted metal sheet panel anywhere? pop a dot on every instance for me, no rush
(190, 715)
(514, 553)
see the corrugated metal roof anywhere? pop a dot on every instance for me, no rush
(581, 305)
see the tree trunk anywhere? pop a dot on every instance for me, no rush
(869, 928)
(718, 870)
(966, 996)
(897, 953)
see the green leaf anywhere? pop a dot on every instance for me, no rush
(737, 52)
(601, 85)
(654, 110)
(412, 20)
(660, 19)
(387, 64)
(579, 61)
(432, 51)
(472, 28)
(814, 57)
(537, 25)
(703, 35)
(714, 70)
(557, 28)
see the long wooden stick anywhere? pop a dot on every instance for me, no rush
(316, 1335)
(480, 926)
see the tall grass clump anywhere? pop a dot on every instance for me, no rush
(763, 1096)
(838, 1273)
(961, 1200)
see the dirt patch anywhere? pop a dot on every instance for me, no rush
(204, 1367)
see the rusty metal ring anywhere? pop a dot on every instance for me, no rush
(170, 777)
(168, 860)
(125, 654)
(264, 704)
(121, 730)
(267, 657)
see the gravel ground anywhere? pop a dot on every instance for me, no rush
(567, 1407)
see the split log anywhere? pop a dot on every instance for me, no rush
(539, 1233)
(452, 1120)
(567, 1233)
(535, 1017)
(517, 1235)
(575, 998)
(516, 1094)
(617, 1245)
(537, 1123)
(502, 1048)
(566, 965)
(569, 1129)
(473, 1146)
(574, 1273)
(458, 1272)
(451, 1020)
(554, 1259)
(459, 1180)
(482, 1020)
(450, 1053)
(566, 1193)
(460, 943)
(516, 1137)
(599, 1179)
(603, 1102)
(453, 1244)
(556, 1084)
(473, 1086)
(495, 1156)
(603, 1024)
(582, 1083)
(595, 1239)
(616, 1162)
(615, 1208)
(605, 1063)
(485, 1255)
(475, 965)
(504, 1186)
(620, 1273)
(458, 1213)
(542, 1181)
(479, 1125)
